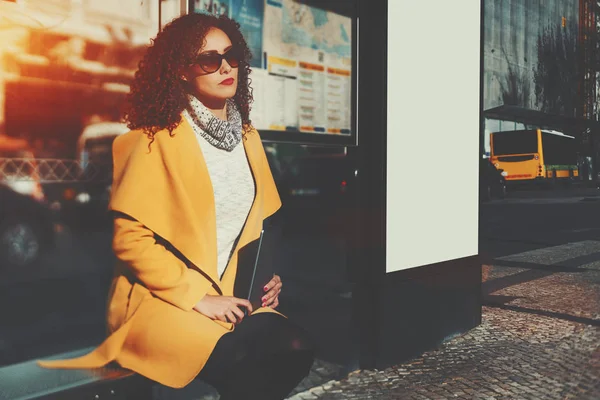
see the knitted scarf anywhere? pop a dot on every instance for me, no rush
(224, 135)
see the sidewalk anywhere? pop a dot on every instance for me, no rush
(539, 338)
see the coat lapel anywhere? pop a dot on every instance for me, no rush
(199, 244)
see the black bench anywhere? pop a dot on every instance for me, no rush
(27, 380)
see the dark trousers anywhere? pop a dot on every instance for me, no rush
(265, 357)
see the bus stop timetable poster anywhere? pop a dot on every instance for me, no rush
(301, 67)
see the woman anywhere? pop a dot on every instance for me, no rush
(191, 187)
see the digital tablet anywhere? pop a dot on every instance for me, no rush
(255, 268)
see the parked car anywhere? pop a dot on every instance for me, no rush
(492, 183)
(26, 221)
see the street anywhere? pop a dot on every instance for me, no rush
(538, 219)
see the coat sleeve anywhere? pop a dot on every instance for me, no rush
(158, 269)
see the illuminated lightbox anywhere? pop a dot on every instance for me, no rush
(433, 130)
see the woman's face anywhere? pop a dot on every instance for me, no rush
(212, 78)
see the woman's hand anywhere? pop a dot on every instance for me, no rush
(223, 308)
(272, 289)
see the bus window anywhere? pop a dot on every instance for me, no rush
(558, 150)
(514, 142)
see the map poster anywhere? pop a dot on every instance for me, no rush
(313, 34)
(320, 42)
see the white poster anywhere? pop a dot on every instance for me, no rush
(432, 132)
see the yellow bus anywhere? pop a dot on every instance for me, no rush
(536, 154)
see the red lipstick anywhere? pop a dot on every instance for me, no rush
(228, 81)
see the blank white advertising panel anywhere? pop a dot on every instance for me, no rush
(432, 132)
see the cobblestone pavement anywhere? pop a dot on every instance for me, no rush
(320, 373)
(539, 338)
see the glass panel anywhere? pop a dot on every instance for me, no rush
(66, 66)
(302, 65)
(66, 69)
(317, 186)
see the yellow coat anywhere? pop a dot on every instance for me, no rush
(153, 328)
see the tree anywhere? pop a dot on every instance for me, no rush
(556, 75)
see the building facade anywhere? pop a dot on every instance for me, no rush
(510, 53)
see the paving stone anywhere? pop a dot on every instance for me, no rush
(535, 350)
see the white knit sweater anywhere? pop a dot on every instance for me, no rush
(233, 187)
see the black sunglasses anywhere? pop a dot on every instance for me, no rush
(212, 62)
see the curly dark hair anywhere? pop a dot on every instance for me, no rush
(158, 96)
